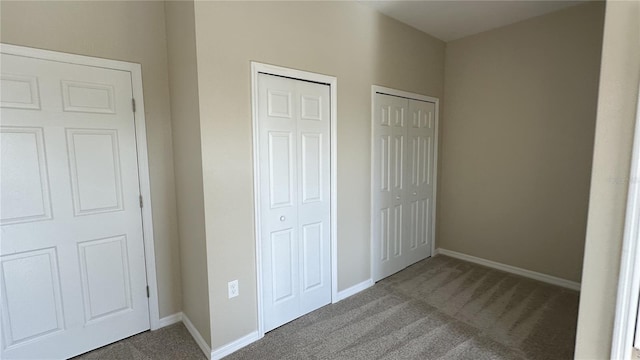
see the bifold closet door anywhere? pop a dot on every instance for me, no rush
(293, 131)
(419, 192)
(389, 172)
(403, 163)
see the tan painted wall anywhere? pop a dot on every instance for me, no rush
(185, 118)
(343, 39)
(618, 96)
(517, 135)
(129, 31)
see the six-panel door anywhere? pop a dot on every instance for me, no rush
(293, 130)
(403, 163)
(72, 258)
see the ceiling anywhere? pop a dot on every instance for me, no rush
(455, 19)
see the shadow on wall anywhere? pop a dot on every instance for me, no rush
(403, 59)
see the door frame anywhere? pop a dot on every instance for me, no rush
(256, 69)
(629, 281)
(377, 89)
(141, 145)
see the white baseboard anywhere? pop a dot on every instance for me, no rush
(196, 336)
(169, 320)
(353, 290)
(512, 269)
(234, 346)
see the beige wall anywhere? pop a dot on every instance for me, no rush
(129, 31)
(517, 135)
(185, 118)
(343, 39)
(619, 79)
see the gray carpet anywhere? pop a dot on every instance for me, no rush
(171, 342)
(440, 308)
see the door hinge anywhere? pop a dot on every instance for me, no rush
(140, 201)
(147, 291)
(133, 104)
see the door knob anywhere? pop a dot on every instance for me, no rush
(415, 193)
(282, 218)
(397, 197)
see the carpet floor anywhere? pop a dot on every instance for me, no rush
(169, 343)
(440, 308)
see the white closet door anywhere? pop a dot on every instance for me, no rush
(72, 256)
(419, 194)
(389, 208)
(293, 127)
(403, 168)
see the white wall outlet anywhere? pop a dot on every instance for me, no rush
(234, 290)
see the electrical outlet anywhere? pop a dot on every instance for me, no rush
(234, 290)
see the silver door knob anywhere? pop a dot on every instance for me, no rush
(397, 197)
(282, 218)
(415, 193)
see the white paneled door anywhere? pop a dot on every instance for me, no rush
(403, 168)
(72, 256)
(293, 139)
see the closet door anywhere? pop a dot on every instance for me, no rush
(403, 191)
(419, 194)
(72, 262)
(293, 126)
(389, 208)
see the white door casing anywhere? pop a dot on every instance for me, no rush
(73, 269)
(404, 156)
(627, 317)
(293, 126)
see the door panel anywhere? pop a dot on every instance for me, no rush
(383, 236)
(312, 266)
(397, 230)
(314, 208)
(280, 169)
(385, 158)
(283, 265)
(25, 191)
(420, 188)
(88, 97)
(278, 143)
(390, 226)
(403, 163)
(293, 127)
(94, 161)
(105, 277)
(19, 91)
(311, 167)
(72, 253)
(32, 302)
